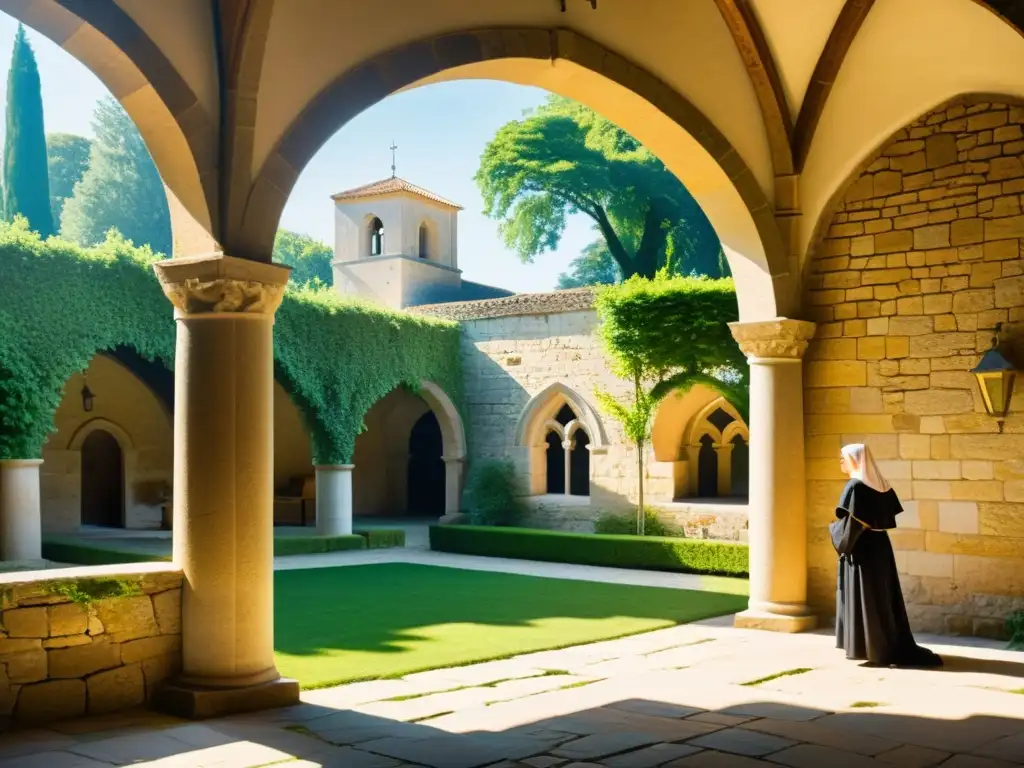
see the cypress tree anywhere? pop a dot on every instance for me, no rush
(26, 180)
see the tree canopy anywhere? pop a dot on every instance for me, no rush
(26, 184)
(68, 160)
(121, 189)
(594, 266)
(563, 159)
(309, 259)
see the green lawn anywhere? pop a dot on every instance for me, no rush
(335, 625)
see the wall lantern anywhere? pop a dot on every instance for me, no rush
(996, 375)
(88, 398)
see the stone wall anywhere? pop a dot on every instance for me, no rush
(515, 348)
(922, 257)
(66, 650)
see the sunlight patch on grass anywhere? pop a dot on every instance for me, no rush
(384, 621)
(777, 675)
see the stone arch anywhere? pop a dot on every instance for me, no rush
(538, 416)
(734, 202)
(701, 426)
(453, 433)
(119, 434)
(177, 128)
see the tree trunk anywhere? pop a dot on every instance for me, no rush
(639, 466)
(652, 244)
(615, 247)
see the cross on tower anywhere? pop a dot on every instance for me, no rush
(393, 147)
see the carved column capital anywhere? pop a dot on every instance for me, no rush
(778, 339)
(216, 283)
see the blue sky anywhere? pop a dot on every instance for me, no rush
(440, 130)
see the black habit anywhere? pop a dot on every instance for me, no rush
(871, 617)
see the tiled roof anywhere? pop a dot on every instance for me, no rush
(390, 186)
(574, 300)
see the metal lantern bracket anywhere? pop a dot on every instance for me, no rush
(996, 376)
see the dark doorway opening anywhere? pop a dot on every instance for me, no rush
(556, 463)
(102, 480)
(740, 467)
(579, 465)
(707, 469)
(426, 483)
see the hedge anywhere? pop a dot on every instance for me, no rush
(722, 558)
(383, 538)
(63, 304)
(315, 545)
(77, 554)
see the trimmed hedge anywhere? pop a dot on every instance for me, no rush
(721, 558)
(62, 552)
(315, 545)
(383, 538)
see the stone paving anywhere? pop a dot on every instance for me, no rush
(698, 696)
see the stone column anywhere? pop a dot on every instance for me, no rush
(778, 519)
(567, 463)
(223, 484)
(20, 510)
(724, 453)
(454, 468)
(334, 499)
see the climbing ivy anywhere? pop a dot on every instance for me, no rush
(63, 304)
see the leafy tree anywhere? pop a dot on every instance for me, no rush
(665, 335)
(594, 266)
(120, 190)
(309, 259)
(26, 185)
(68, 160)
(566, 159)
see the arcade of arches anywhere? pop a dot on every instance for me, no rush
(867, 199)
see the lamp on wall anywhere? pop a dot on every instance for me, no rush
(996, 376)
(88, 398)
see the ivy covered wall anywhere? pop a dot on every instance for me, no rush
(60, 305)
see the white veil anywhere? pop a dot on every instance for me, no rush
(863, 467)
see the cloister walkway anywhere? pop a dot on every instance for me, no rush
(686, 696)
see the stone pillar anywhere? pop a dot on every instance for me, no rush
(454, 469)
(20, 510)
(567, 463)
(778, 519)
(334, 499)
(223, 484)
(724, 453)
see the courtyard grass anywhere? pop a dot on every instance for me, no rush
(365, 622)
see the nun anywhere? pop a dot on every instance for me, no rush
(871, 617)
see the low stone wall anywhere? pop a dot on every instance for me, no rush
(86, 640)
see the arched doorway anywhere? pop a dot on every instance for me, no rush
(707, 469)
(426, 489)
(579, 464)
(102, 480)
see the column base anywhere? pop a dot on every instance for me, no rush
(198, 703)
(774, 622)
(453, 518)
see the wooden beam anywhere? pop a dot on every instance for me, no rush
(839, 40)
(757, 57)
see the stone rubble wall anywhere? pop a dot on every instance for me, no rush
(922, 257)
(61, 658)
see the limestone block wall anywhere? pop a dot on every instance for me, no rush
(67, 650)
(509, 359)
(921, 258)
